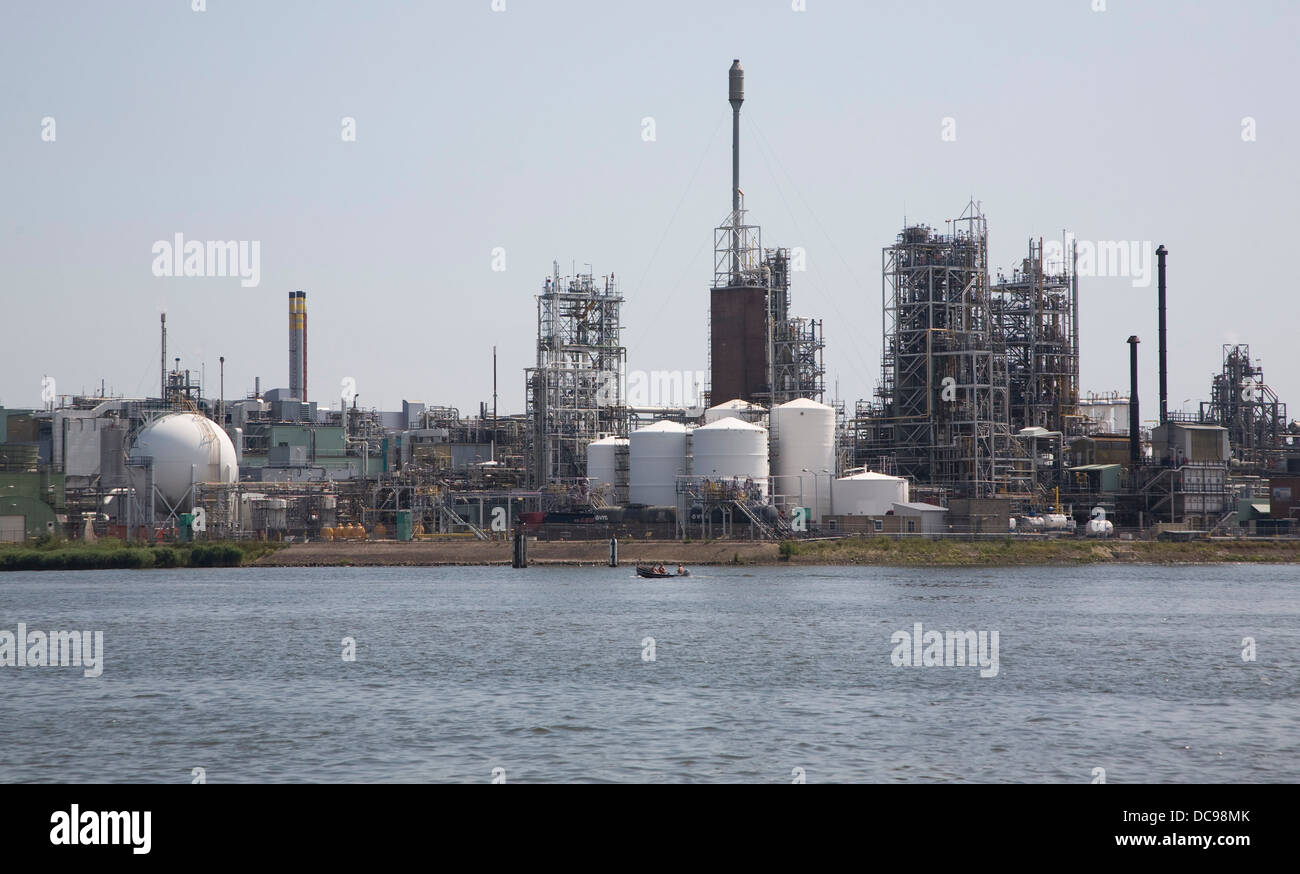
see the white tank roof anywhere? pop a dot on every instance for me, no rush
(730, 424)
(662, 425)
(736, 404)
(869, 474)
(735, 408)
(805, 403)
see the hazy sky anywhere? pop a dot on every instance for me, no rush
(523, 129)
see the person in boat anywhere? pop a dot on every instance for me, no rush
(659, 569)
(681, 571)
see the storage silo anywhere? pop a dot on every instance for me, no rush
(867, 494)
(730, 448)
(604, 468)
(657, 456)
(803, 454)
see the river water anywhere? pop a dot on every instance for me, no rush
(754, 675)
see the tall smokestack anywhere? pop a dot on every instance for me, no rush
(295, 359)
(162, 367)
(1164, 349)
(1134, 419)
(302, 340)
(736, 96)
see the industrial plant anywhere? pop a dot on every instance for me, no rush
(978, 426)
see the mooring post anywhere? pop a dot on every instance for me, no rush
(613, 552)
(521, 548)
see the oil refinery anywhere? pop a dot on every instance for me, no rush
(977, 427)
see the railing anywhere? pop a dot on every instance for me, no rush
(754, 515)
(447, 507)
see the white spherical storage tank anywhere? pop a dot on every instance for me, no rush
(656, 457)
(602, 460)
(867, 494)
(186, 448)
(730, 448)
(803, 449)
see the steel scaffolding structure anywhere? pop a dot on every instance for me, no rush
(797, 368)
(737, 251)
(575, 394)
(1243, 403)
(1035, 318)
(942, 409)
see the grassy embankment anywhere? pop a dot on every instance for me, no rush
(884, 551)
(1014, 551)
(63, 555)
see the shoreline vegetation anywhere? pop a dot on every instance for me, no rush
(881, 551)
(63, 555)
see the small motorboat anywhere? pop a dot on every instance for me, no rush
(652, 574)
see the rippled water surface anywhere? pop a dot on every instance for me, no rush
(757, 672)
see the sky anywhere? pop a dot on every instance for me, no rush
(597, 133)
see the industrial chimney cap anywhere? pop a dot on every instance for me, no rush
(736, 79)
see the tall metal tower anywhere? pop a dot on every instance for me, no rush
(941, 415)
(1035, 318)
(576, 393)
(1243, 403)
(757, 353)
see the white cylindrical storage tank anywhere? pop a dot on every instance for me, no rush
(730, 448)
(867, 494)
(1100, 528)
(186, 448)
(602, 464)
(656, 457)
(803, 435)
(735, 409)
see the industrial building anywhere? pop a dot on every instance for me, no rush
(977, 427)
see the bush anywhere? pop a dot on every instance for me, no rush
(81, 557)
(165, 556)
(219, 555)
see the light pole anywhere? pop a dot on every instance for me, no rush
(816, 507)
